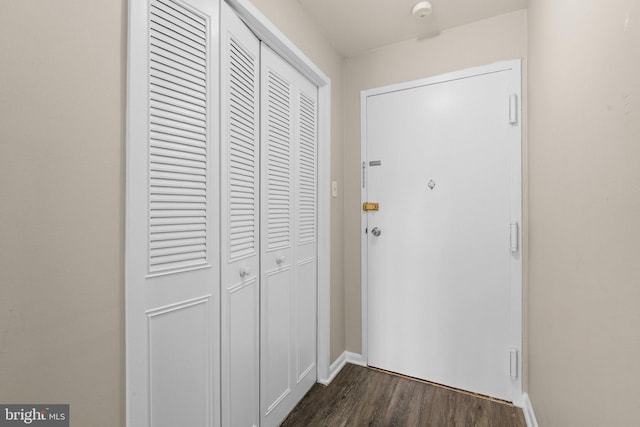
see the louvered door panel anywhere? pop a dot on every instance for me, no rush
(277, 275)
(279, 124)
(172, 274)
(240, 150)
(243, 131)
(305, 225)
(306, 169)
(288, 255)
(178, 125)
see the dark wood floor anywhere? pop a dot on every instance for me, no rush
(365, 397)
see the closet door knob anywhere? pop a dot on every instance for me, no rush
(244, 271)
(280, 259)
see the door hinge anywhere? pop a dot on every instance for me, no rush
(513, 363)
(514, 238)
(363, 173)
(513, 109)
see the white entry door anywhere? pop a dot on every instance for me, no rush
(443, 162)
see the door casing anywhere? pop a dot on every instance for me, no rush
(514, 67)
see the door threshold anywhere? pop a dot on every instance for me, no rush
(459, 390)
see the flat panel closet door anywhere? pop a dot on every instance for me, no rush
(288, 237)
(240, 302)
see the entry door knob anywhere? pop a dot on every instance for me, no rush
(376, 231)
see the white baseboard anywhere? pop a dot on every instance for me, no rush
(529, 416)
(338, 364)
(335, 367)
(354, 358)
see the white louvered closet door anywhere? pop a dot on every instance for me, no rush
(240, 299)
(288, 237)
(172, 222)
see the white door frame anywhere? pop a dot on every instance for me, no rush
(281, 45)
(515, 136)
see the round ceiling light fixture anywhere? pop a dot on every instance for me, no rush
(422, 9)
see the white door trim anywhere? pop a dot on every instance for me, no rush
(281, 45)
(515, 68)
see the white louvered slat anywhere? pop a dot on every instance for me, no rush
(278, 161)
(178, 150)
(242, 132)
(181, 229)
(160, 85)
(178, 123)
(307, 186)
(178, 235)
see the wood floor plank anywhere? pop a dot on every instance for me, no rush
(361, 396)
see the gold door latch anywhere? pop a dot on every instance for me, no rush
(368, 206)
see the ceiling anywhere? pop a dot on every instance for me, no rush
(355, 26)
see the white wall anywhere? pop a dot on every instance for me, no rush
(62, 107)
(584, 182)
(479, 43)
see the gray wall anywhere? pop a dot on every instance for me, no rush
(584, 195)
(62, 111)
